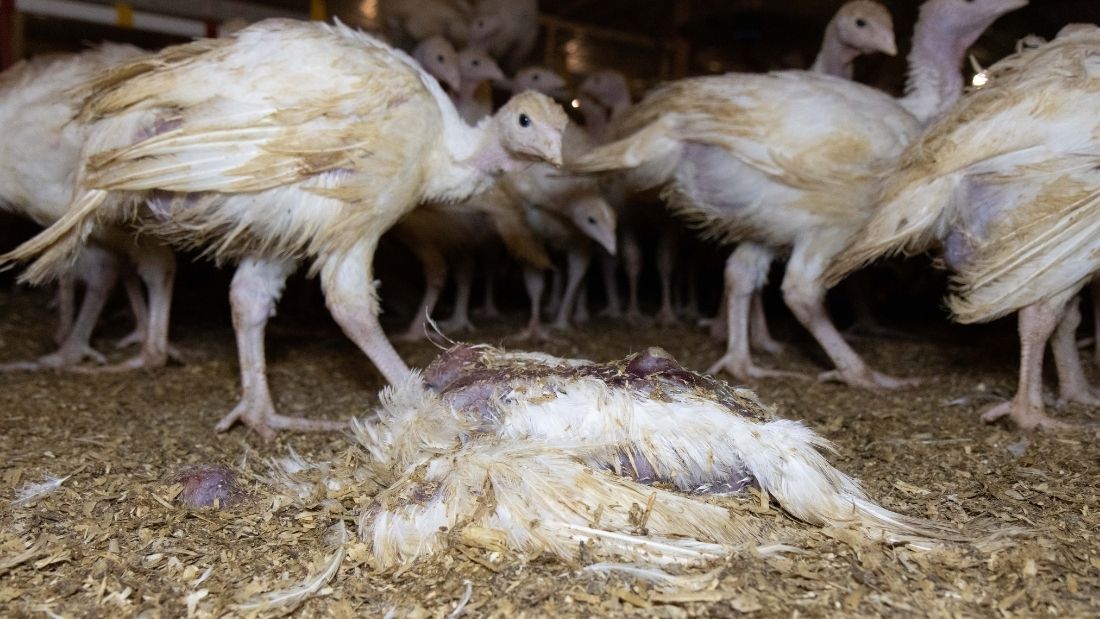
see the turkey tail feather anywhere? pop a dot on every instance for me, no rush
(908, 221)
(55, 248)
(654, 142)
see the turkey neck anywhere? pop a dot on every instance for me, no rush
(595, 117)
(619, 107)
(935, 80)
(467, 91)
(836, 57)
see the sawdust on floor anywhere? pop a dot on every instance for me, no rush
(113, 539)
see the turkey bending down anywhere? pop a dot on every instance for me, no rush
(536, 453)
(1009, 183)
(290, 141)
(38, 162)
(790, 159)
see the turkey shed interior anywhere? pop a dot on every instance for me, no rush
(110, 534)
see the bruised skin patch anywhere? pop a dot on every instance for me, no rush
(466, 374)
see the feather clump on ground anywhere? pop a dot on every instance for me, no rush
(619, 461)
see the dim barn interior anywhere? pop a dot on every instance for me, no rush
(498, 308)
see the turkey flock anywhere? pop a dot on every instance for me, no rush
(312, 154)
(804, 165)
(293, 145)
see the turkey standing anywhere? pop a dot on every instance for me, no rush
(289, 142)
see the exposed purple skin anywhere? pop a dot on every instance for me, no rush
(465, 375)
(205, 486)
(471, 378)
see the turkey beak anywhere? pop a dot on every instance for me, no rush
(452, 78)
(549, 148)
(495, 75)
(886, 43)
(607, 241)
(553, 152)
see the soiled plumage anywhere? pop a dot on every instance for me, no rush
(291, 141)
(1009, 183)
(536, 453)
(783, 160)
(38, 163)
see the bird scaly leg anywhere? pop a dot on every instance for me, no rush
(256, 287)
(578, 261)
(459, 322)
(1072, 384)
(666, 258)
(535, 282)
(1036, 323)
(746, 269)
(804, 294)
(435, 277)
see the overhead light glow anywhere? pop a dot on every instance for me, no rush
(369, 9)
(980, 79)
(576, 103)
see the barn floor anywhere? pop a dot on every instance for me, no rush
(112, 540)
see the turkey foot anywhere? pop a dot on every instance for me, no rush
(667, 318)
(745, 369)
(261, 417)
(142, 361)
(868, 379)
(65, 358)
(457, 325)
(536, 333)
(1026, 416)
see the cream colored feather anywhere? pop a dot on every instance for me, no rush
(533, 453)
(250, 155)
(1008, 180)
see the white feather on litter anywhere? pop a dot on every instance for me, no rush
(286, 600)
(30, 493)
(461, 608)
(657, 577)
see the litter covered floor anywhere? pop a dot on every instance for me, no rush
(114, 537)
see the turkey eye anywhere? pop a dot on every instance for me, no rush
(592, 220)
(477, 63)
(861, 22)
(535, 77)
(439, 58)
(524, 120)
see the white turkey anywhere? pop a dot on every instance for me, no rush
(289, 142)
(442, 233)
(535, 453)
(38, 163)
(508, 29)
(790, 159)
(409, 22)
(566, 213)
(476, 71)
(438, 57)
(1009, 183)
(859, 27)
